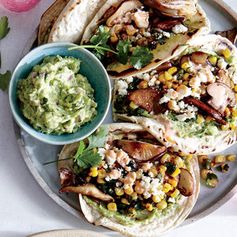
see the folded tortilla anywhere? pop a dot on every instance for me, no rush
(180, 120)
(170, 42)
(159, 221)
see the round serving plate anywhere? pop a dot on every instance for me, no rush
(36, 153)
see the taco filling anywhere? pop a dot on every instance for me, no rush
(128, 177)
(131, 34)
(193, 95)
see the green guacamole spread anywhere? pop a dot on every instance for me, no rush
(55, 98)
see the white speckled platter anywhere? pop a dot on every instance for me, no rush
(35, 153)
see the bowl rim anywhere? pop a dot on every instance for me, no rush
(31, 130)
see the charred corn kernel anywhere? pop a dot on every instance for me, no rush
(153, 170)
(165, 158)
(100, 180)
(172, 70)
(220, 159)
(134, 196)
(232, 126)
(176, 172)
(114, 38)
(168, 76)
(186, 76)
(112, 206)
(185, 65)
(231, 157)
(167, 187)
(173, 182)
(235, 88)
(202, 159)
(200, 119)
(162, 170)
(204, 173)
(143, 84)
(155, 198)
(161, 77)
(189, 157)
(139, 174)
(175, 193)
(227, 112)
(128, 191)
(149, 207)
(226, 53)
(101, 173)
(234, 113)
(132, 211)
(169, 84)
(179, 162)
(212, 60)
(119, 191)
(93, 172)
(225, 127)
(161, 205)
(132, 105)
(125, 201)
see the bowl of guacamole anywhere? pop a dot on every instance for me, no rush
(59, 95)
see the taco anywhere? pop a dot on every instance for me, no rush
(188, 102)
(48, 19)
(135, 35)
(72, 21)
(127, 182)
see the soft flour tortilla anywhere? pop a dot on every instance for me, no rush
(167, 51)
(48, 18)
(73, 19)
(156, 226)
(160, 129)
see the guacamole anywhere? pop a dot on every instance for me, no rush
(55, 98)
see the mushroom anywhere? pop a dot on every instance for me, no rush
(222, 95)
(124, 7)
(89, 190)
(140, 151)
(186, 183)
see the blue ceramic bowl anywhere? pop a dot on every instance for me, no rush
(91, 67)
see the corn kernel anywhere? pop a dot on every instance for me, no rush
(169, 84)
(112, 206)
(227, 112)
(139, 174)
(200, 119)
(212, 60)
(101, 173)
(134, 196)
(235, 88)
(119, 191)
(186, 76)
(167, 187)
(231, 157)
(155, 198)
(153, 170)
(232, 126)
(162, 170)
(175, 193)
(132, 105)
(165, 158)
(220, 159)
(234, 113)
(225, 127)
(161, 205)
(93, 172)
(149, 207)
(125, 201)
(179, 162)
(173, 182)
(161, 77)
(189, 157)
(168, 76)
(128, 191)
(100, 180)
(232, 85)
(176, 173)
(143, 84)
(226, 53)
(172, 70)
(185, 65)
(209, 118)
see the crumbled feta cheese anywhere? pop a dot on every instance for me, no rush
(152, 81)
(164, 99)
(129, 79)
(172, 200)
(166, 34)
(222, 64)
(232, 71)
(122, 87)
(146, 76)
(141, 19)
(179, 29)
(195, 82)
(147, 34)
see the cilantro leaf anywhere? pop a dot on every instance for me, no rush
(80, 149)
(141, 56)
(89, 158)
(4, 29)
(123, 48)
(4, 80)
(98, 139)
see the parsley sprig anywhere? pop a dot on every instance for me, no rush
(125, 53)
